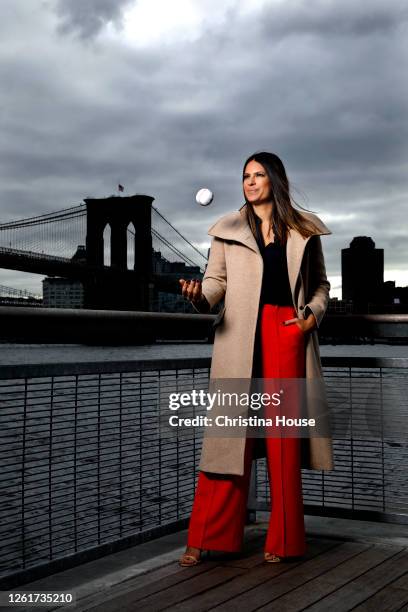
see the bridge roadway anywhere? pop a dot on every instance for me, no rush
(49, 265)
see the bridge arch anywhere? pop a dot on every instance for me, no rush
(121, 213)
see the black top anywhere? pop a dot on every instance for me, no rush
(275, 280)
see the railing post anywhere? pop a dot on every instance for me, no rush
(251, 506)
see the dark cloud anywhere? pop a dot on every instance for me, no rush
(322, 85)
(88, 17)
(333, 18)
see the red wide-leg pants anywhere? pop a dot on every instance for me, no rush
(219, 510)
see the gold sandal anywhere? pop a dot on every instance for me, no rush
(188, 560)
(272, 558)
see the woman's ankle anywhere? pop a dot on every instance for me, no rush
(193, 549)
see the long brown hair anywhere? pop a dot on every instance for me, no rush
(284, 215)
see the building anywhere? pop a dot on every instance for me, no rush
(172, 301)
(363, 286)
(62, 293)
(336, 306)
(362, 271)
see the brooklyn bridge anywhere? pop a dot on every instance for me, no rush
(121, 249)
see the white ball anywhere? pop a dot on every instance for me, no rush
(204, 197)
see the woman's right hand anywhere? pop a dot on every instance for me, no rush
(191, 290)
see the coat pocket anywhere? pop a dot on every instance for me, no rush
(297, 329)
(219, 318)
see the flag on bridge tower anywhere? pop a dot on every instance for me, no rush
(120, 187)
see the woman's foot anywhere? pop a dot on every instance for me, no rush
(192, 556)
(272, 558)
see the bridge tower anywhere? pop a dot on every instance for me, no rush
(126, 289)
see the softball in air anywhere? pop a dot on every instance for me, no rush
(204, 197)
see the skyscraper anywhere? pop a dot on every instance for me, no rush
(362, 271)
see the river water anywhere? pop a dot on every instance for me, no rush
(14, 354)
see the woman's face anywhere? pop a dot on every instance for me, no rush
(256, 183)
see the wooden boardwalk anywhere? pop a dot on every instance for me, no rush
(335, 575)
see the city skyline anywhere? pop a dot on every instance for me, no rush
(164, 103)
(361, 253)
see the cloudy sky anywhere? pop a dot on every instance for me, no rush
(166, 97)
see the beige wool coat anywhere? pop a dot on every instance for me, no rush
(234, 273)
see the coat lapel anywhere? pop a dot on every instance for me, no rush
(234, 226)
(294, 254)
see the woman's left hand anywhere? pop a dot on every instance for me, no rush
(306, 325)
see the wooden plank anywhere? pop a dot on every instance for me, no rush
(164, 577)
(383, 566)
(402, 582)
(189, 588)
(170, 572)
(252, 559)
(283, 578)
(391, 598)
(137, 588)
(222, 595)
(125, 594)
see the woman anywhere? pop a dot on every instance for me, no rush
(266, 262)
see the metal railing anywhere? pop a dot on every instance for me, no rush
(368, 400)
(85, 469)
(56, 325)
